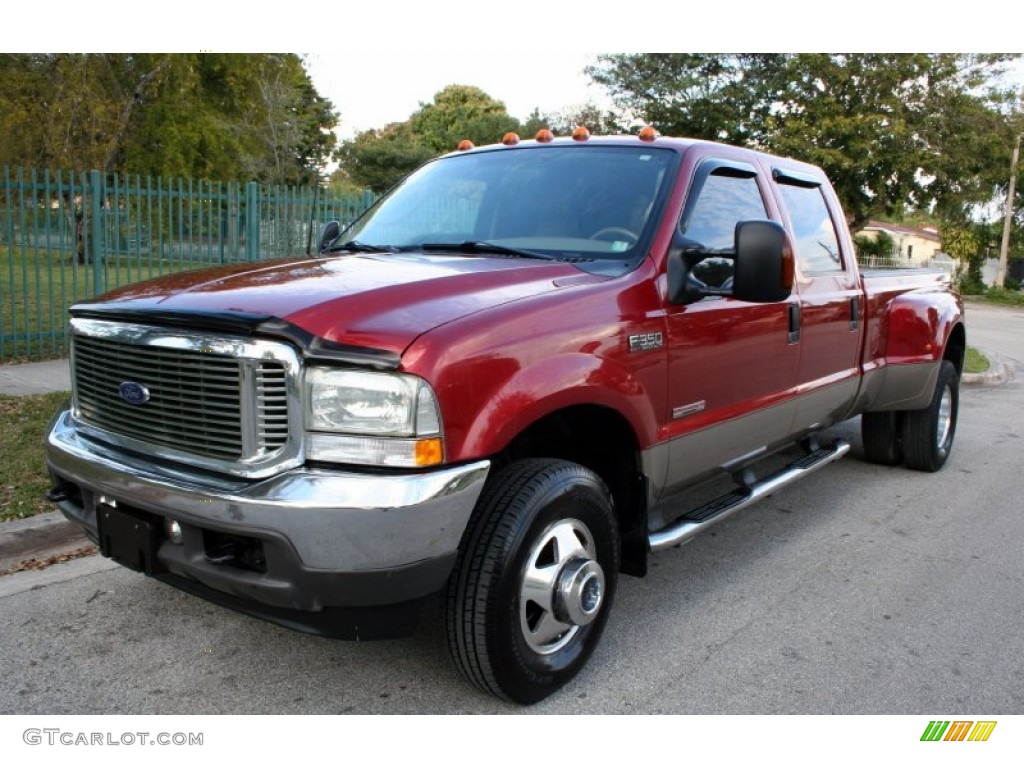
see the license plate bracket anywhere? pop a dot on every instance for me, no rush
(129, 538)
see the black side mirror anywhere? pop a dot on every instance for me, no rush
(329, 234)
(763, 262)
(683, 286)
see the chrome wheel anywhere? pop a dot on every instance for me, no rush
(535, 579)
(562, 586)
(928, 433)
(945, 419)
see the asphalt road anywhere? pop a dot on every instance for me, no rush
(863, 589)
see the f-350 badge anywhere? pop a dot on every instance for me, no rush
(646, 342)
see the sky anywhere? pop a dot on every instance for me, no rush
(383, 66)
(393, 93)
(401, 82)
(377, 62)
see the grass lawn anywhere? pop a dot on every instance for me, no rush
(975, 362)
(37, 287)
(1001, 296)
(23, 478)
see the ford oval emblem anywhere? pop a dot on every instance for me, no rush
(134, 393)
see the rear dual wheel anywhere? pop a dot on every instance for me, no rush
(928, 433)
(919, 439)
(534, 581)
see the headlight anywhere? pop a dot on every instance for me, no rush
(370, 418)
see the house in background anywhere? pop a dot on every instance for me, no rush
(911, 245)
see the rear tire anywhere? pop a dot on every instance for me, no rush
(882, 435)
(534, 580)
(928, 433)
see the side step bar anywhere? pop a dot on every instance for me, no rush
(703, 517)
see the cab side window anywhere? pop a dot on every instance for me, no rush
(817, 245)
(721, 203)
(710, 223)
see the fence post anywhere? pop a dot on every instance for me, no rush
(252, 221)
(233, 220)
(95, 193)
(8, 216)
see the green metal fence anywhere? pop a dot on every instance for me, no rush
(66, 237)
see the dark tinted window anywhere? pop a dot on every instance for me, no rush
(721, 203)
(817, 246)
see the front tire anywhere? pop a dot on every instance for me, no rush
(534, 581)
(928, 433)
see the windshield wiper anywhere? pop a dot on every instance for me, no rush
(355, 246)
(478, 246)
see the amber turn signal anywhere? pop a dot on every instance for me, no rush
(429, 452)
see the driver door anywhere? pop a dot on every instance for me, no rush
(732, 364)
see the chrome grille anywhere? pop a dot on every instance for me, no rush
(195, 403)
(229, 404)
(272, 406)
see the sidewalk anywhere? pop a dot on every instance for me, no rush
(35, 378)
(50, 533)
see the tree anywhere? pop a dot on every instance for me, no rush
(598, 121)
(379, 158)
(891, 130)
(73, 109)
(460, 112)
(882, 246)
(719, 97)
(219, 116)
(965, 244)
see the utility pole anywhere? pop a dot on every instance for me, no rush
(1004, 246)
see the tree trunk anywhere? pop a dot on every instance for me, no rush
(127, 108)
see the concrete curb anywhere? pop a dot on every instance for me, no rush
(999, 372)
(23, 539)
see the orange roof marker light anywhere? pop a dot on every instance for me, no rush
(544, 136)
(465, 144)
(647, 133)
(510, 139)
(580, 134)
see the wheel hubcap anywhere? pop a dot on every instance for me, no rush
(562, 588)
(945, 420)
(579, 592)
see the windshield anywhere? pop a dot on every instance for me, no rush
(594, 205)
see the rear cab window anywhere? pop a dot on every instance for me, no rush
(816, 242)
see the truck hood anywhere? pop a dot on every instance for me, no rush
(377, 301)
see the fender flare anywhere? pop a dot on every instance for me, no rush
(550, 385)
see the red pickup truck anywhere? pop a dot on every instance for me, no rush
(507, 383)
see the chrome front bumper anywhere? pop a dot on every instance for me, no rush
(331, 538)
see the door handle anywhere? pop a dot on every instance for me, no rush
(794, 323)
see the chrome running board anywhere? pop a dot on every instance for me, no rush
(694, 522)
